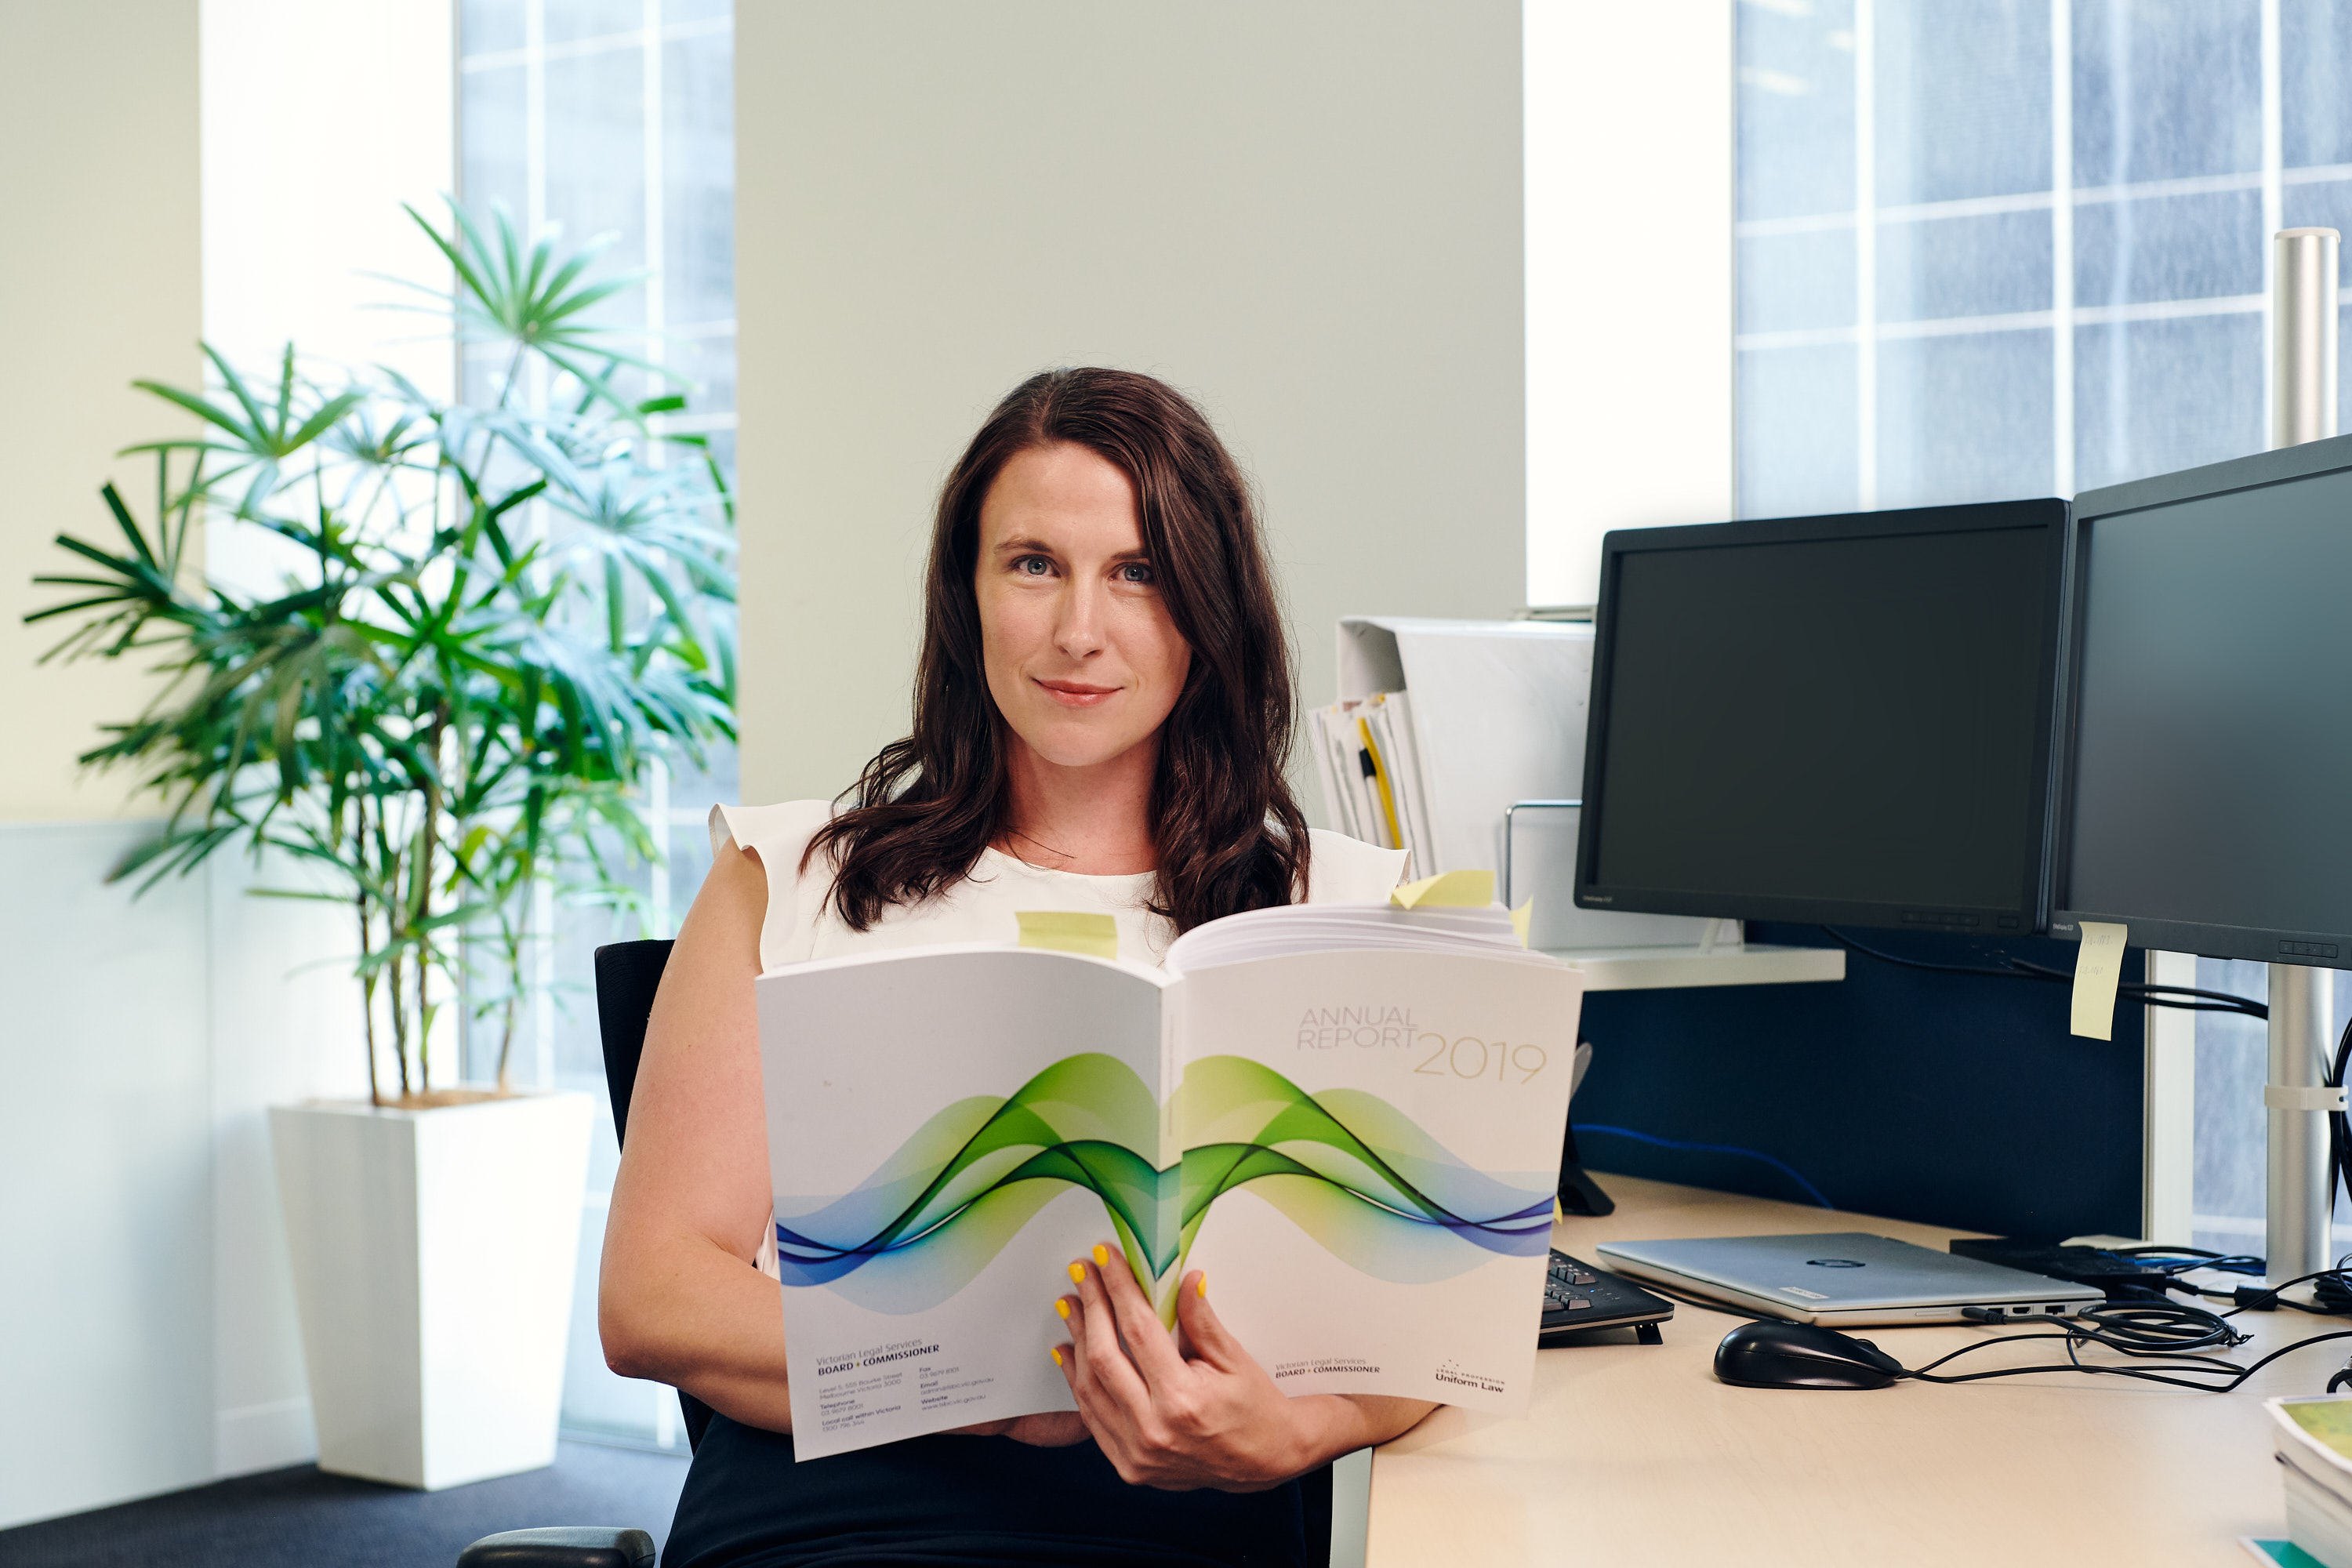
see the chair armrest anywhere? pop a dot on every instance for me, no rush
(564, 1546)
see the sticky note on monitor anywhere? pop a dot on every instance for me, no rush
(1068, 930)
(2098, 970)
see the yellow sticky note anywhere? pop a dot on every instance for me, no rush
(1066, 930)
(1447, 890)
(2097, 971)
(1522, 917)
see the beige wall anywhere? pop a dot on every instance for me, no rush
(98, 283)
(1306, 215)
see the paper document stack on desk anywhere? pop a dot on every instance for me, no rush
(2314, 1452)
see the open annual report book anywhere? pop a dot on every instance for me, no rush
(1348, 1116)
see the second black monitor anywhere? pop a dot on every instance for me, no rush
(2211, 732)
(1842, 719)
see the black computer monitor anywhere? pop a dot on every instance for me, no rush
(2207, 773)
(1845, 718)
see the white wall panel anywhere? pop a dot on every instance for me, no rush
(1629, 157)
(284, 1021)
(105, 1158)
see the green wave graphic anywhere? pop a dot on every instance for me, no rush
(1347, 1168)
(1351, 1169)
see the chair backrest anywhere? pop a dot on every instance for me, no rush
(627, 975)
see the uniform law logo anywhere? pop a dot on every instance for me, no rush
(1450, 1371)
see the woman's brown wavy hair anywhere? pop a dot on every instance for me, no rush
(1230, 837)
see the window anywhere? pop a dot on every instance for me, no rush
(1996, 248)
(617, 117)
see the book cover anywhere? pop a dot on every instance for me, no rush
(1350, 1118)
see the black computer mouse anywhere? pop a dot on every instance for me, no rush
(1801, 1355)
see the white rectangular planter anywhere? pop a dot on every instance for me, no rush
(434, 1254)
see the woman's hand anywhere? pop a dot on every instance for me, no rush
(1212, 1418)
(1047, 1429)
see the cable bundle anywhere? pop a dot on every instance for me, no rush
(2188, 998)
(2166, 1333)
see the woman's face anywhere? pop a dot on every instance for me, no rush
(1081, 656)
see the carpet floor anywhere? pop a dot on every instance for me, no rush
(299, 1518)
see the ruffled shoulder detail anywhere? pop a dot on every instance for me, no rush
(778, 836)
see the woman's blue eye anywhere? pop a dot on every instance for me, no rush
(1033, 565)
(1135, 572)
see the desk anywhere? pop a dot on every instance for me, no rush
(1634, 1454)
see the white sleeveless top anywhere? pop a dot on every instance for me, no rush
(800, 923)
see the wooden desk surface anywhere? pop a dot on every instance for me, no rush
(1635, 1454)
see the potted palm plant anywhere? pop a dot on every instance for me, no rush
(494, 619)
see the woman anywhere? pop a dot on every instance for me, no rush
(1102, 712)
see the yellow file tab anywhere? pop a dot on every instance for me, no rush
(1068, 930)
(2098, 969)
(1447, 890)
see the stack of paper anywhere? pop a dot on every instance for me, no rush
(2315, 1453)
(1373, 785)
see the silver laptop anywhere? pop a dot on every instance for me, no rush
(1846, 1277)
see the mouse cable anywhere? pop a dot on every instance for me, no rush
(2187, 999)
(2154, 1327)
(2162, 1332)
(2178, 1372)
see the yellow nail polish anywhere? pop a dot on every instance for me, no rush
(1062, 1305)
(1077, 1273)
(1200, 1285)
(1056, 1355)
(1102, 1257)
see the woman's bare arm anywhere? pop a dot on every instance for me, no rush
(680, 1300)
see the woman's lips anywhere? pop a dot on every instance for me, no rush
(1077, 693)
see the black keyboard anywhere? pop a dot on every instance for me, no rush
(1579, 1297)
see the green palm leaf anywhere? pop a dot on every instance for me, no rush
(501, 618)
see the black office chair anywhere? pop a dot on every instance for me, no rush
(627, 975)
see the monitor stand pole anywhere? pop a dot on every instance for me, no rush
(2299, 1199)
(2301, 1186)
